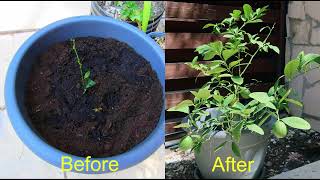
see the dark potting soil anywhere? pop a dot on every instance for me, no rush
(127, 97)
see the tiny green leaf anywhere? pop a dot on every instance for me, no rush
(296, 122)
(182, 125)
(87, 74)
(255, 128)
(228, 100)
(182, 106)
(237, 79)
(203, 93)
(90, 83)
(226, 54)
(279, 129)
(291, 69)
(275, 49)
(235, 149)
(236, 132)
(247, 10)
(220, 146)
(294, 102)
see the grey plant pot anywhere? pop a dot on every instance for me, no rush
(252, 146)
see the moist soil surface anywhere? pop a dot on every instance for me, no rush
(298, 148)
(113, 116)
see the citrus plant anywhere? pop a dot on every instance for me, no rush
(239, 108)
(85, 77)
(130, 10)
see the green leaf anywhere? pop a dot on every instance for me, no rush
(226, 54)
(237, 79)
(294, 102)
(236, 13)
(208, 25)
(220, 146)
(279, 129)
(296, 122)
(255, 128)
(186, 143)
(87, 74)
(308, 58)
(146, 13)
(234, 63)
(235, 149)
(291, 69)
(225, 75)
(90, 83)
(203, 93)
(182, 106)
(260, 96)
(228, 100)
(285, 95)
(247, 9)
(217, 70)
(275, 49)
(182, 125)
(236, 132)
(244, 92)
(263, 97)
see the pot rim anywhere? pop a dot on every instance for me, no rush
(49, 153)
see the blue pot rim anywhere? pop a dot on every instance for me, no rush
(50, 153)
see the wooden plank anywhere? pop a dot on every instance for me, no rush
(186, 55)
(181, 70)
(195, 83)
(173, 98)
(208, 12)
(195, 26)
(193, 40)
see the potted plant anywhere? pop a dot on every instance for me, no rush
(145, 15)
(226, 119)
(77, 88)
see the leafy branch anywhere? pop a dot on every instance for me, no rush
(85, 78)
(226, 62)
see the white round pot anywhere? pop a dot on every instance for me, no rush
(252, 147)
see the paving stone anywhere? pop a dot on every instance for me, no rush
(315, 34)
(296, 10)
(9, 44)
(297, 86)
(152, 167)
(37, 14)
(296, 49)
(309, 171)
(300, 31)
(311, 100)
(312, 9)
(17, 161)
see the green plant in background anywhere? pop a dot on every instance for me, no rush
(226, 63)
(130, 10)
(85, 78)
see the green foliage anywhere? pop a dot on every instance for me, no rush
(85, 78)
(226, 62)
(130, 10)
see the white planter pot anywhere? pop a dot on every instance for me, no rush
(252, 146)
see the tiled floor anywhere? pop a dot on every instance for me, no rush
(16, 160)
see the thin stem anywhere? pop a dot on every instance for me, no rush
(250, 61)
(78, 59)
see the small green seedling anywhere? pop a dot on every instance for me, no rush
(130, 10)
(85, 78)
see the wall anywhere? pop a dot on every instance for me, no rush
(303, 34)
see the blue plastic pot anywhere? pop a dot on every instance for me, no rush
(62, 30)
